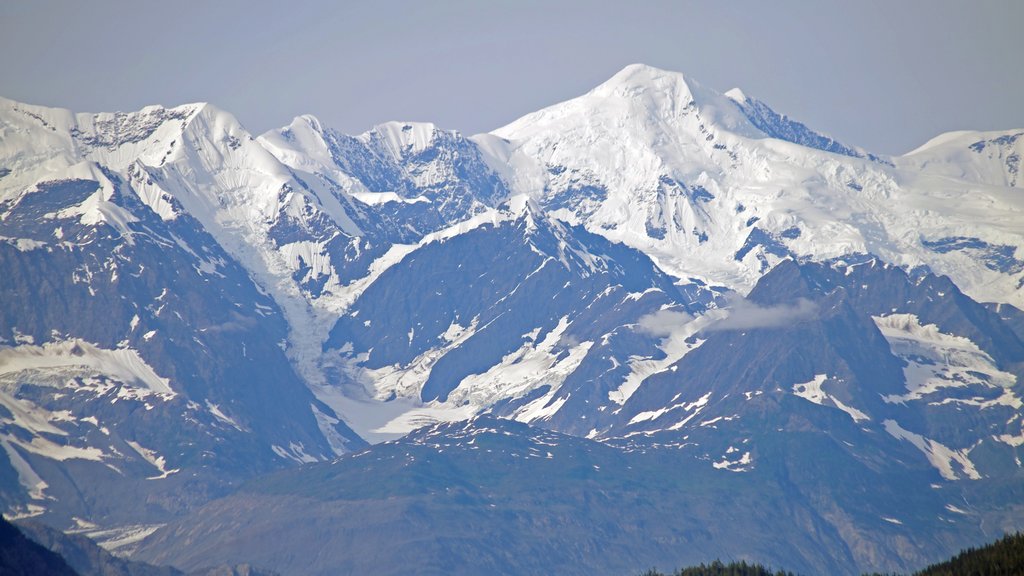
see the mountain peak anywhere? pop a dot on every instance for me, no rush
(653, 88)
(736, 95)
(307, 120)
(645, 95)
(403, 138)
(640, 75)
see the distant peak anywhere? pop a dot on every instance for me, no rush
(520, 204)
(189, 110)
(189, 107)
(300, 127)
(737, 95)
(408, 129)
(779, 126)
(639, 71)
(401, 138)
(305, 128)
(308, 120)
(637, 78)
(649, 95)
(190, 113)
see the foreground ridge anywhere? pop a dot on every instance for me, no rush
(1004, 557)
(717, 568)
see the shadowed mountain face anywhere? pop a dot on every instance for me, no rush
(442, 497)
(503, 313)
(88, 559)
(20, 556)
(814, 419)
(159, 351)
(681, 325)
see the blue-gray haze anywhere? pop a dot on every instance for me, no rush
(879, 74)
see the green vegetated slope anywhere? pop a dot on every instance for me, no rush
(1004, 557)
(717, 568)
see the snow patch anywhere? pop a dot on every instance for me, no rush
(154, 459)
(27, 477)
(813, 392)
(378, 198)
(294, 452)
(936, 360)
(123, 364)
(941, 457)
(219, 415)
(743, 464)
(120, 540)
(676, 328)
(694, 408)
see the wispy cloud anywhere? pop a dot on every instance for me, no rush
(739, 314)
(745, 315)
(663, 323)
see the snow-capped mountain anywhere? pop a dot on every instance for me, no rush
(413, 177)
(720, 187)
(507, 312)
(139, 357)
(895, 361)
(716, 189)
(653, 266)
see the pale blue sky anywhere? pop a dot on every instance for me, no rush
(886, 75)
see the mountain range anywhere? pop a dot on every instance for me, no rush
(652, 325)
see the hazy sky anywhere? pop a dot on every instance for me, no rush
(885, 75)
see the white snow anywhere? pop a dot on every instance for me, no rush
(454, 332)
(154, 459)
(743, 464)
(533, 365)
(39, 423)
(220, 415)
(27, 477)
(75, 367)
(641, 137)
(28, 511)
(327, 423)
(542, 408)
(97, 208)
(312, 254)
(645, 127)
(693, 408)
(1015, 441)
(121, 539)
(936, 361)
(377, 198)
(676, 328)
(404, 138)
(812, 391)
(294, 452)
(377, 421)
(24, 244)
(941, 457)
(123, 364)
(956, 510)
